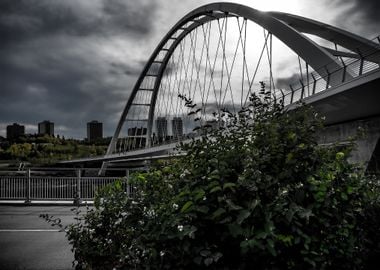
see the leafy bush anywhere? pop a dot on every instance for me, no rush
(258, 192)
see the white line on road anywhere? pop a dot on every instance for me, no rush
(29, 230)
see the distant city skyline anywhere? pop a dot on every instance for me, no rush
(74, 61)
(94, 130)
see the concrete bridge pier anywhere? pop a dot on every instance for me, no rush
(367, 150)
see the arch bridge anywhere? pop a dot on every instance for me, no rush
(216, 55)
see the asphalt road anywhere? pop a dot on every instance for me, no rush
(28, 242)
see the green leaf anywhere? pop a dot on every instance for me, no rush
(218, 213)
(253, 204)
(244, 245)
(203, 209)
(216, 189)
(233, 206)
(286, 239)
(227, 219)
(269, 227)
(254, 243)
(229, 185)
(205, 253)
(216, 256)
(208, 261)
(243, 214)
(213, 184)
(270, 247)
(199, 194)
(235, 229)
(141, 177)
(213, 161)
(118, 185)
(289, 215)
(183, 193)
(306, 213)
(289, 157)
(261, 235)
(189, 231)
(186, 206)
(270, 242)
(215, 172)
(214, 177)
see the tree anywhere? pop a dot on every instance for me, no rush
(20, 151)
(257, 192)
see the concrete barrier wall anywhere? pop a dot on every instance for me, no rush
(368, 145)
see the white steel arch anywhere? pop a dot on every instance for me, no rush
(287, 28)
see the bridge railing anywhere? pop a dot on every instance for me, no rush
(15, 186)
(313, 83)
(353, 65)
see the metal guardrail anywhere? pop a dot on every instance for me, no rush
(52, 188)
(313, 83)
(309, 84)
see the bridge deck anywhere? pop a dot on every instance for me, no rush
(355, 99)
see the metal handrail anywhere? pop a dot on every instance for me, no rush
(361, 66)
(308, 87)
(30, 187)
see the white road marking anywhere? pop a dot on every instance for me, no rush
(29, 230)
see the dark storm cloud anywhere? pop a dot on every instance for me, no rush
(360, 14)
(26, 19)
(284, 83)
(123, 68)
(369, 8)
(55, 60)
(134, 15)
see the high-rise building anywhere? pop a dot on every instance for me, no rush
(162, 127)
(94, 130)
(177, 127)
(46, 127)
(14, 131)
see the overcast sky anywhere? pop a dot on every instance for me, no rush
(74, 61)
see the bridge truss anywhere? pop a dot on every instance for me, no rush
(216, 56)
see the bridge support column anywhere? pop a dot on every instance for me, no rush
(367, 150)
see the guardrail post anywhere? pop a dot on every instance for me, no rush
(328, 79)
(291, 97)
(314, 83)
(303, 89)
(77, 199)
(361, 62)
(361, 66)
(28, 186)
(344, 72)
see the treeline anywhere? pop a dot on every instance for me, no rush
(49, 149)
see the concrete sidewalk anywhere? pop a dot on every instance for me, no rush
(28, 242)
(44, 203)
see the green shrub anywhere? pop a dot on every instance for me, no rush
(256, 193)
